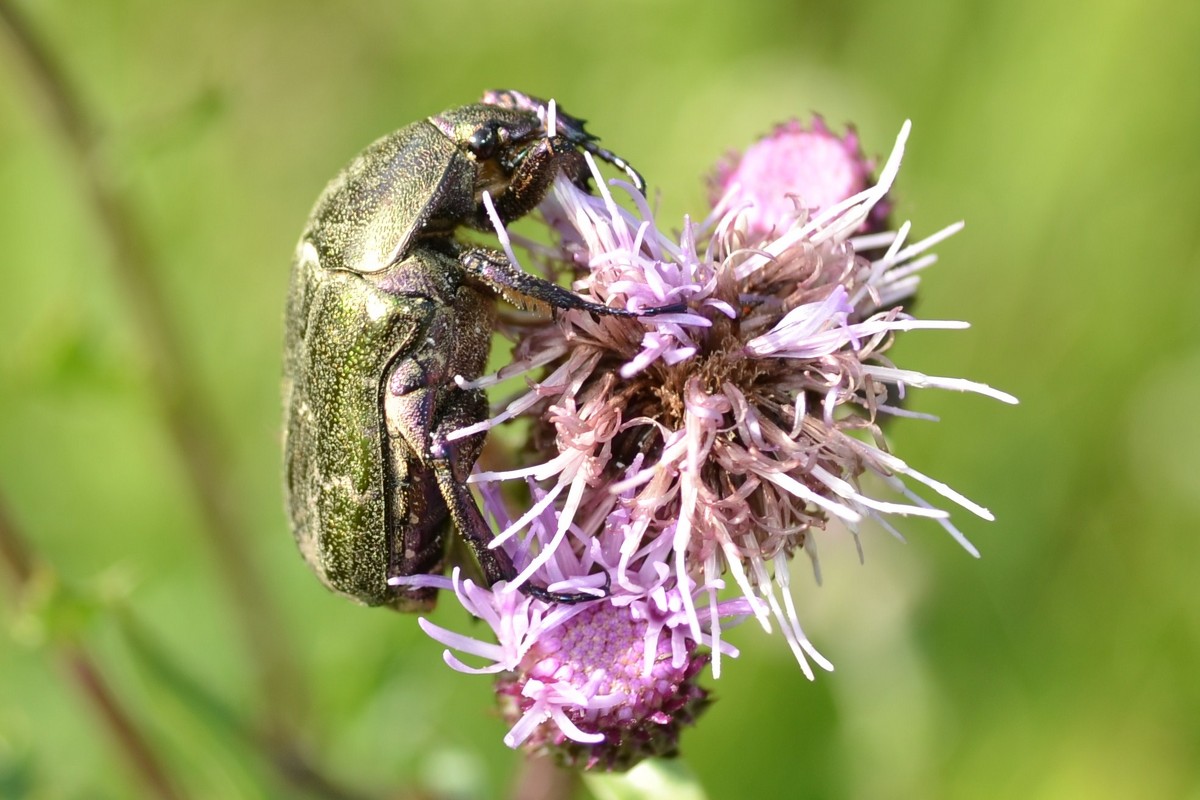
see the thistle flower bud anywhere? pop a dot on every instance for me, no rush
(792, 173)
(621, 710)
(598, 685)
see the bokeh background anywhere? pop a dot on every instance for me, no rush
(139, 451)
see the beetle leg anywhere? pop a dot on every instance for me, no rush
(495, 270)
(416, 515)
(569, 598)
(495, 562)
(417, 542)
(452, 463)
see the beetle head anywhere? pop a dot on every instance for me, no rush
(515, 160)
(569, 127)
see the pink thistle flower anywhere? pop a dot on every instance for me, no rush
(669, 451)
(724, 436)
(792, 171)
(598, 685)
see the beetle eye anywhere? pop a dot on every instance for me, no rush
(483, 142)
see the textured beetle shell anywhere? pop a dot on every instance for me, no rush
(358, 493)
(370, 213)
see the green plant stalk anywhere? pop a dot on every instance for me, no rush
(85, 673)
(187, 414)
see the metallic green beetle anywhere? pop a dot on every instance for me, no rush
(386, 308)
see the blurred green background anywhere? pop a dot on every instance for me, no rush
(1065, 663)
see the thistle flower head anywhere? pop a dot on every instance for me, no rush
(736, 429)
(670, 451)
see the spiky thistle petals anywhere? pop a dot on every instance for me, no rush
(602, 684)
(735, 430)
(668, 454)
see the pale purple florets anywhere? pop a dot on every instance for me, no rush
(674, 451)
(598, 684)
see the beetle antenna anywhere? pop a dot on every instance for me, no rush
(562, 124)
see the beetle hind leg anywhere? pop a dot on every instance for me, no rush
(418, 524)
(495, 562)
(451, 463)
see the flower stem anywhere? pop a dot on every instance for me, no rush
(84, 672)
(292, 766)
(541, 779)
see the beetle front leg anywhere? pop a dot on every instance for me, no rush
(495, 270)
(452, 463)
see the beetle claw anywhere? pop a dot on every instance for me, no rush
(673, 308)
(569, 598)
